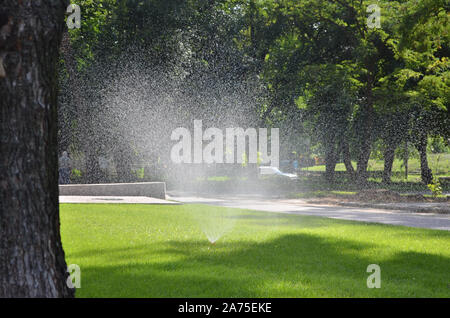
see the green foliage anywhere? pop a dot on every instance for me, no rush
(244, 160)
(76, 173)
(259, 158)
(438, 144)
(327, 76)
(140, 173)
(435, 187)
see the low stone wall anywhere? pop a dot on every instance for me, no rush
(147, 189)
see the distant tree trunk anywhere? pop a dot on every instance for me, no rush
(405, 159)
(366, 134)
(93, 171)
(389, 155)
(79, 109)
(330, 160)
(364, 156)
(31, 255)
(65, 116)
(421, 145)
(123, 160)
(345, 148)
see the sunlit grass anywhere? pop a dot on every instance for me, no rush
(439, 164)
(160, 251)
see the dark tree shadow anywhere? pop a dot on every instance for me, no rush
(297, 265)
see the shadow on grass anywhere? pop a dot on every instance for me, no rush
(295, 265)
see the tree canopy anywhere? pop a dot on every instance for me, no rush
(321, 69)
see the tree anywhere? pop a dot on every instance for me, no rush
(400, 68)
(132, 62)
(425, 78)
(31, 255)
(328, 34)
(328, 106)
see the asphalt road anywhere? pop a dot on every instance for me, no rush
(421, 220)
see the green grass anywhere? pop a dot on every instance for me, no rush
(438, 163)
(160, 251)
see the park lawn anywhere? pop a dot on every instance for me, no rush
(160, 251)
(438, 163)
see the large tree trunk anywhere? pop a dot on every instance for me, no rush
(31, 255)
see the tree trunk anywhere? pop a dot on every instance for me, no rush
(330, 160)
(93, 172)
(123, 160)
(347, 158)
(368, 118)
(65, 116)
(389, 155)
(363, 159)
(425, 171)
(31, 255)
(405, 160)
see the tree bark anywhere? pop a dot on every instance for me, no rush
(31, 255)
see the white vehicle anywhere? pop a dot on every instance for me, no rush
(274, 171)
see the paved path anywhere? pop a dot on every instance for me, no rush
(428, 207)
(421, 220)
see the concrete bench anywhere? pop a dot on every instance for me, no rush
(147, 189)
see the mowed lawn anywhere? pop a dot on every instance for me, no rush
(161, 251)
(439, 164)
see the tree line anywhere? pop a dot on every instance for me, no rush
(317, 68)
